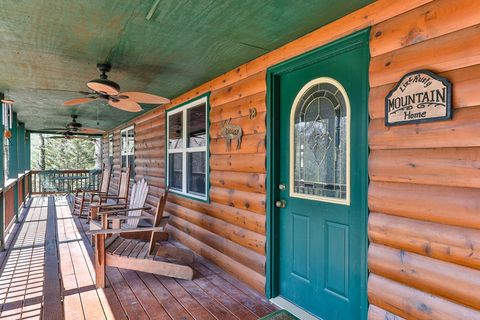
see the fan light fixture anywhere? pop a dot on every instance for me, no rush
(103, 85)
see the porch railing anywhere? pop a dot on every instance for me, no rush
(63, 181)
(12, 198)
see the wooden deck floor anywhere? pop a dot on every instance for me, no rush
(47, 273)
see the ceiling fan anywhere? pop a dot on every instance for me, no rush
(109, 91)
(73, 128)
(69, 136)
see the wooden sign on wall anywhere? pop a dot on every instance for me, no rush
(420, 96)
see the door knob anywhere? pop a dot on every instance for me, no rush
(280, 203)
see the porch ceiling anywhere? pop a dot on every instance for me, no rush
(50, 47)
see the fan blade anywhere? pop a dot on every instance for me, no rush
(142, 97)
(126, 105)
(73, 102)
(102, 88)
(91, 131)
(83, 138)
(54, 129)
(64, 90)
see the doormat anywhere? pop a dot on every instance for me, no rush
(280, 315)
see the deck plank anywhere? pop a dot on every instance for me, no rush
(153, 308)
(239, 291)
(169, 303)
(22, 275)
(228, 302)
(127, 298)
(215, 308)
(52, 307)
(49, 237)
(187, 301)
(72, 301)
(92, 307)
(111, 304)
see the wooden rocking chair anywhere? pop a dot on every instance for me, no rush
(121, 252)
(80, 202)
(101, 201)
(135, 207)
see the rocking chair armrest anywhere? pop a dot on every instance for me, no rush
(95, 192)
(123, 210)
(105, 204)
(109, 196)
(121, 217)
(111, 206)
(125, 230)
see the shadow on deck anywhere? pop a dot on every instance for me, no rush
(47, 272)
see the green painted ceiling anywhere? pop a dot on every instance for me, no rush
(48, 47)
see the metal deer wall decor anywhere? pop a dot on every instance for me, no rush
(231, 132)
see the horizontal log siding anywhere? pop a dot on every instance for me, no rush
(424, 194)
(230, 230)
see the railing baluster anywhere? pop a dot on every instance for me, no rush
(60, 181)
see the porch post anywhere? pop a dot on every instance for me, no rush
(2, 184)
(28, 154)
(21, 147)
(28, 162)
(13, 162)
(21, 159)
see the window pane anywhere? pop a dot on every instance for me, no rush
(175, 125)
(124, 142)
(131, 141)
(175, 171)
(110, 145)
(196, 126)
(320, 129)
(196, 172)
(124, 161)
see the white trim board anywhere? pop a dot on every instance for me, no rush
(292, 308)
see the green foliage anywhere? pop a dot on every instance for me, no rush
(62, 154)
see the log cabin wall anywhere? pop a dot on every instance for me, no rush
(424, 255)
(424, 196)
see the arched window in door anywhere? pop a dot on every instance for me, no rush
(319, 147)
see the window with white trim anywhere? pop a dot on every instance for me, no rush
(110, 148)
(128, 148)
(187, 143)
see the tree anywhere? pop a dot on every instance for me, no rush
(62, 154)
(42, 152)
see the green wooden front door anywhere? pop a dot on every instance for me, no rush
(320, 189)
